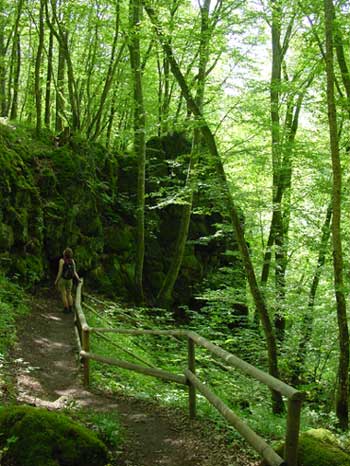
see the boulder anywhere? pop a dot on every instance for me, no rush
(32, 436)
(319, 447)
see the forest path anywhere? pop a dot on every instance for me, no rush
(45, 367)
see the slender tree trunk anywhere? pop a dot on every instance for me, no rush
(232, 210)
(60, 100)
(15, 66)
(72, 85)
(112, 112)
(37, 85)
(135, 9)
(16, 78)
(277, 230)
(342, 408)
(307, 324)
(49, 74)
(93, 130)
(62, 38)
(3, 100)
(344, 69)
(160, 92)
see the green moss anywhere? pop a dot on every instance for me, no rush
(32, 436)
(319, 447)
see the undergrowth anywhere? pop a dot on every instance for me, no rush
(12, 306)
(105, 425)
(246, 397)
(249, 399)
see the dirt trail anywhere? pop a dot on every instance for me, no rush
(47, 374)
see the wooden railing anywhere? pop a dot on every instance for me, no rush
(189, 378)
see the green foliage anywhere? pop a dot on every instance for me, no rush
(31, 436)
(249, 399)
(12, 306)
(154, 351)
(106, 425)
(43, 209)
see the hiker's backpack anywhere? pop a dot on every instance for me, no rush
(68, 270)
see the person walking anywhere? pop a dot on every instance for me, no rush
(64, 280)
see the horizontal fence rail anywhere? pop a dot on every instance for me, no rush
(189, 378)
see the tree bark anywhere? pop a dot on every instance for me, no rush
(49, 74)
(344, 69)
(15, 67)
(60, 100)
(94, 127)
(342, 409)
(135, 9)
(3, 99)
(16, 57)
(307, 322)
(37, 85)
(62, 38)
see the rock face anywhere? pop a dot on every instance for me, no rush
(32, 436)
(81, 196)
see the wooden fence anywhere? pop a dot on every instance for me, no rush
(189, 378)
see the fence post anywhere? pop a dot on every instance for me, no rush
(86, 348)
(191, 387)
(292, 434)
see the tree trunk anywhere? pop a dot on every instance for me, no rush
(15, 67)
(37, 85)
(16, 57)
(112, 112)
(3, 100)
(307, 323)
(135, 9)
(47, 117)
(60, 100)
(62, 38)
(343, 369)
(345, 74)
(94, 127)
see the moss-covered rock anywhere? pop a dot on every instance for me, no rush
(319, 447)
(31, 436)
